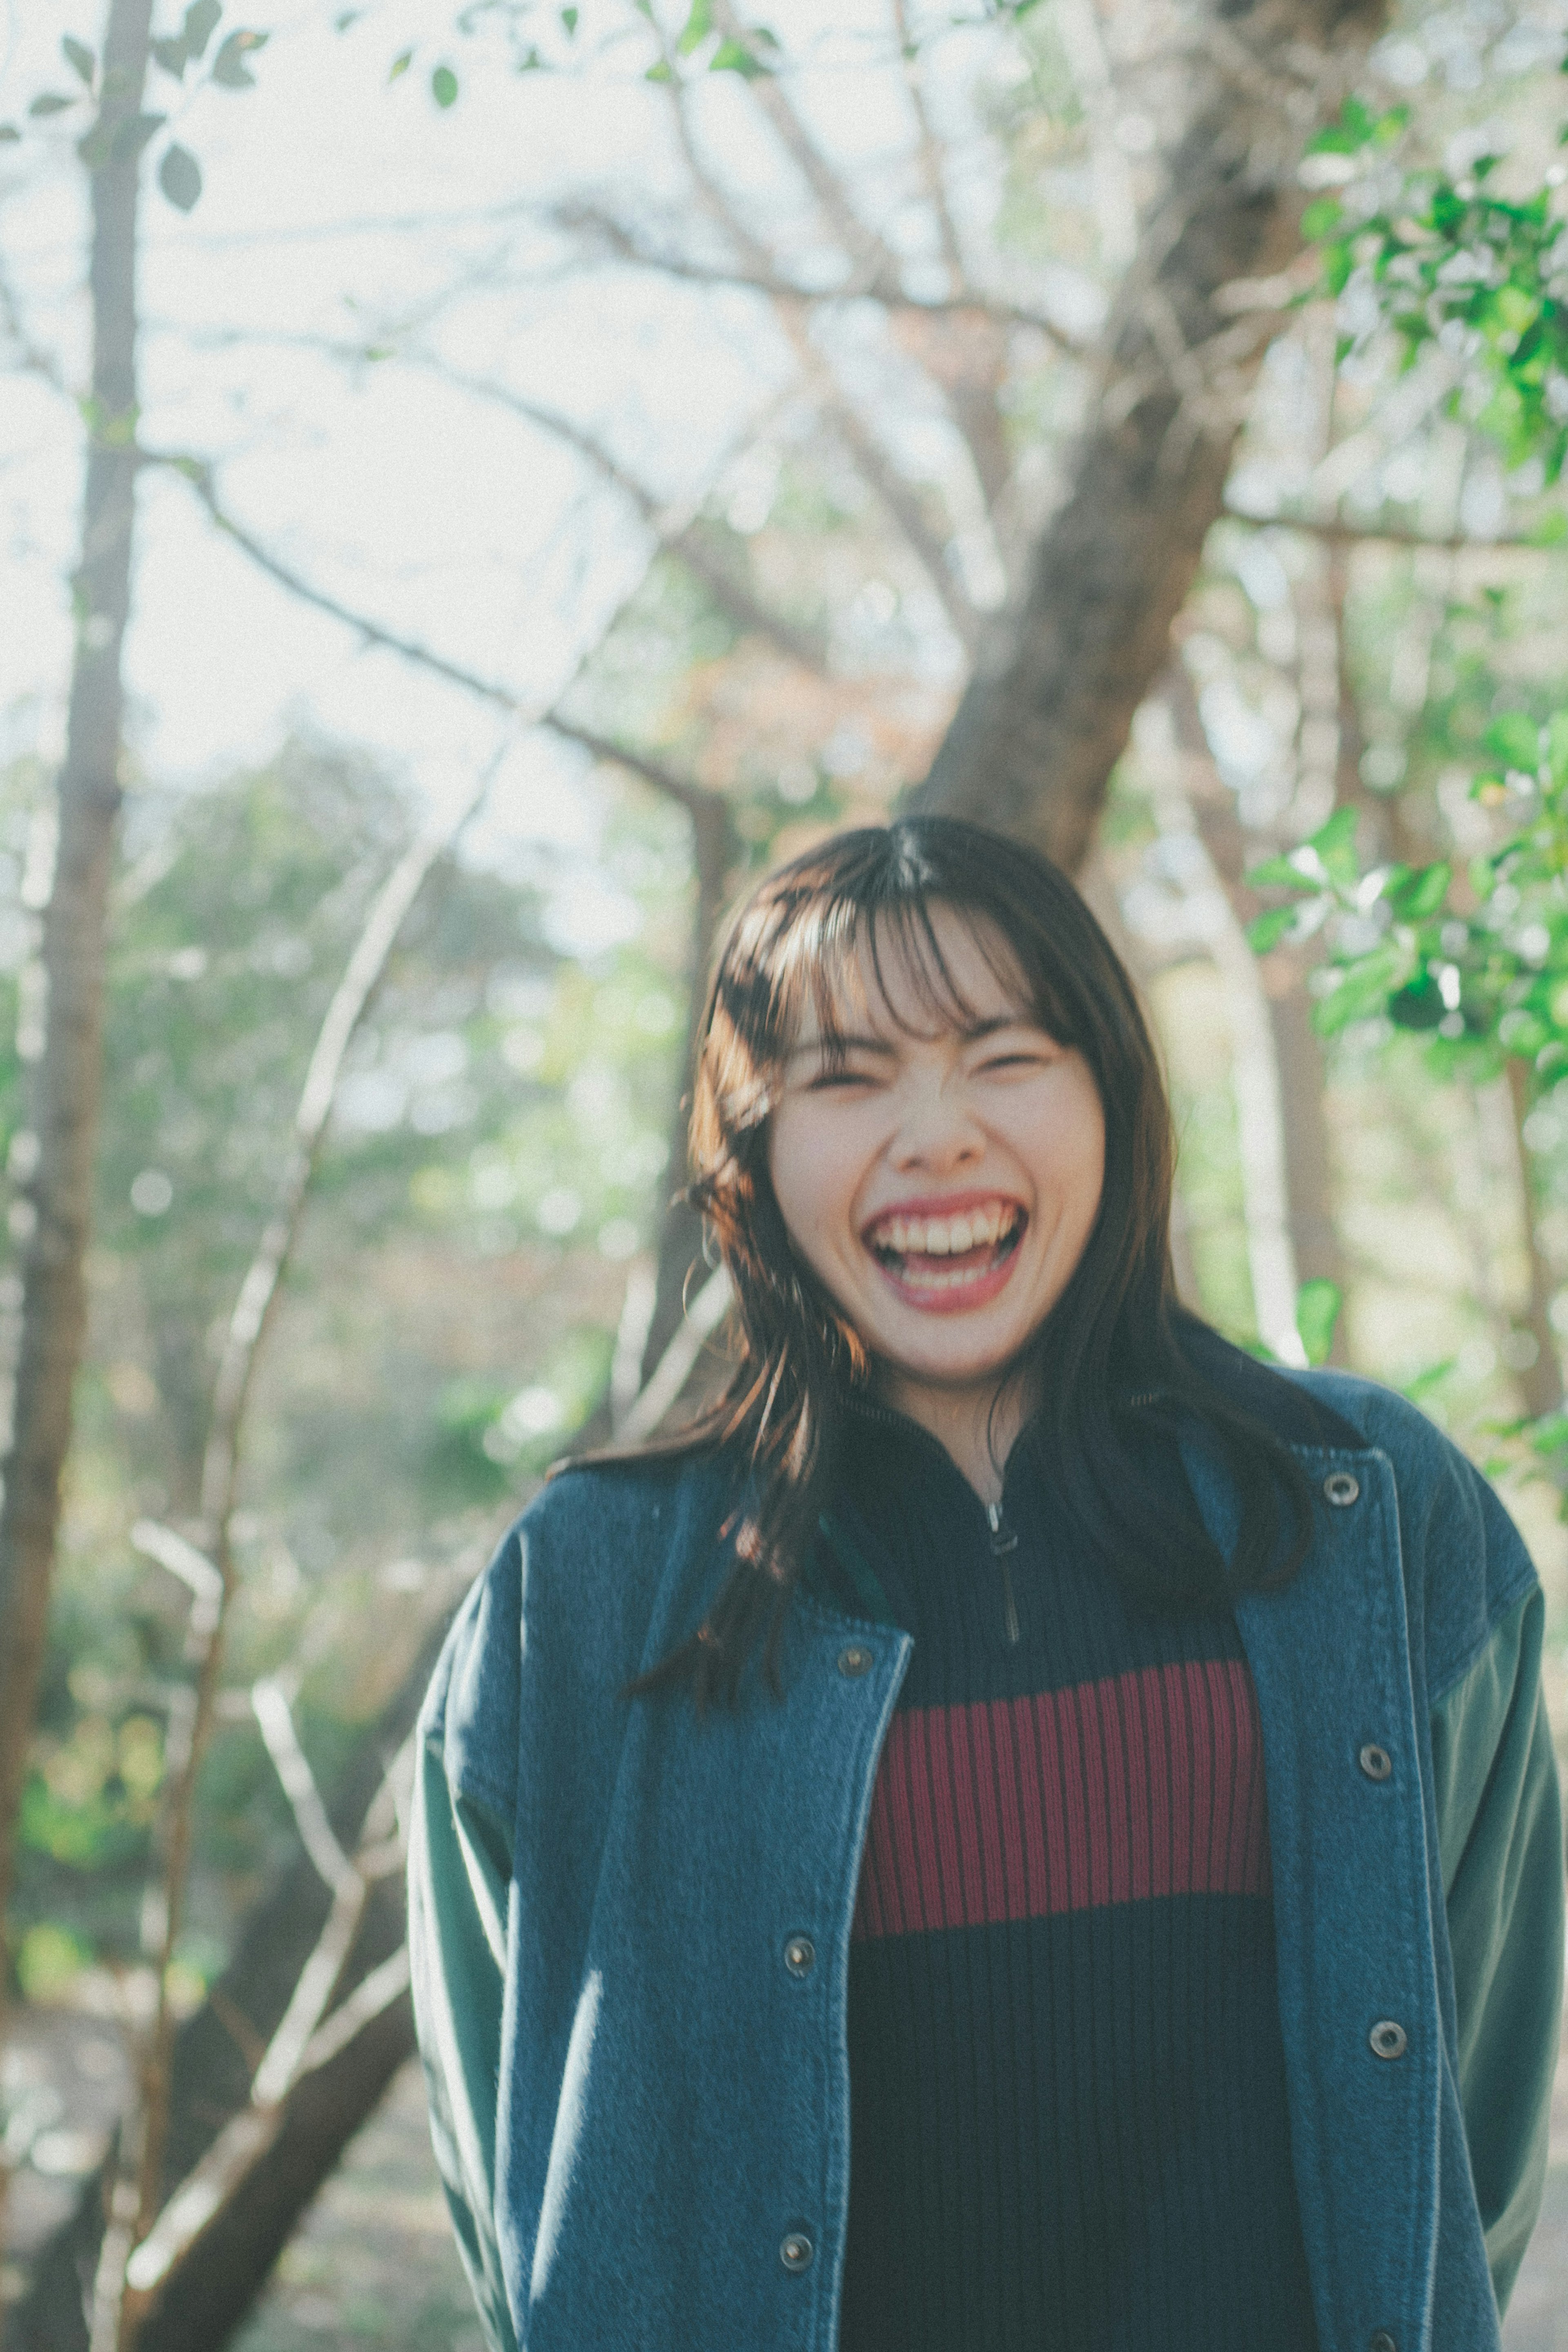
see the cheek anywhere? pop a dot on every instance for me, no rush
(1071, 1153)
(815, 1169)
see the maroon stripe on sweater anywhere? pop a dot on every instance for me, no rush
(1145, 1784)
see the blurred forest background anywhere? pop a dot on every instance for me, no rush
(477, 488)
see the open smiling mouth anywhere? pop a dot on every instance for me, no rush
(947, 1260)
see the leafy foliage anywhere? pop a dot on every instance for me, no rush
(1444, 261)
(117, 137)
(1477, 961)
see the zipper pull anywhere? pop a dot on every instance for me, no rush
(1003, 1541)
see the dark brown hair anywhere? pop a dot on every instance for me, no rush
(1109, 1353)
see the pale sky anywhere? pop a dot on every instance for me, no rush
(332, 201)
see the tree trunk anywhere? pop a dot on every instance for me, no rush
(1047, 716)
(55, 1203)
(680, 1231)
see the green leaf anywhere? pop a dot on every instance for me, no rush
(569, 17)
(1516, 309)
(1269, 930)
(1420, 894)
(173, 55)
(131, 135)
(180, 177)
(1419, 1006)
(80, 56)
(1557, 747)
(1551, 530)
(1335, 844)
(1319, 218)
(229, 68)
(1317, 1312)
(1422, 1383)
(201, 22)
(661, 72)
(733, 57)
(49, 102)
(401, 64)
(1338, 263)
(1276, 874)
(8, 134)
(697, 29)
(444, 86)
(1515, 740)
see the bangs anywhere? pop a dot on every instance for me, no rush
(848, 931)
(849, 960)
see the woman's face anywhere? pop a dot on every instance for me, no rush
(943, 1183)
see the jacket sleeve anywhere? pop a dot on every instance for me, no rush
(459, 1872)
(1500, 1837)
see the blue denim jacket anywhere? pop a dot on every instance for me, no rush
(642, 2113)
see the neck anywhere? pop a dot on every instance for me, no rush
(976, 1427)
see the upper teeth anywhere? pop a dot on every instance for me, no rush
(946, 1236)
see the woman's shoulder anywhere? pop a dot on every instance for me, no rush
(573, 1587)
(1464, 1563)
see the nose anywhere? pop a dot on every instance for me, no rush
(937, 1131)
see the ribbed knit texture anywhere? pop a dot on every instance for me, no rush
(1067, 2109)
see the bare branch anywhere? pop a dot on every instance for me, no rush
(1077, 29)
(678, 537)
(193, 1568)
(370, 1997)
(276, 1717)
(675, 1366)
(692, 797)
(762, 275)
(929, 150)
(665, 780)
(124, 2275)
(1337, 532)
(897, 494)
(875, 260)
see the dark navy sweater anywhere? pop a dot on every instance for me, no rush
(1068, 2128)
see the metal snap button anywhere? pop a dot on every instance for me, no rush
(799, 1955)
(1388, 2039)
(1381, 2341)
(1375, 1761)
(855, 1660)
(1341, 1489)
(796, 2251)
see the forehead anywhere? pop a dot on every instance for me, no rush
(921, 972)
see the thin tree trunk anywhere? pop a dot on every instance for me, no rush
(680, 1232)
(67, 1081)
(1539, 1381)
(1047, 716)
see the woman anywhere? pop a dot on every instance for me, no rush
(1025, 1828)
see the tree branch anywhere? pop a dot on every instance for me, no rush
(874, 261)
(928, 150)
(1339, 533)
(762, 276)
(665, 780)
(682, 540)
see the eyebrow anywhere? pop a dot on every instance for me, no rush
(971, 1032)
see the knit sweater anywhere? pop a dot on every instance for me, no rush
(1067, 2109)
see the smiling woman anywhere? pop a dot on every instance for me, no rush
(1107, 1891)
(939, 1169)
